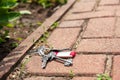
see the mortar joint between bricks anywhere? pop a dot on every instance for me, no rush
(85, 75)
(108, 65)
(115, 26)
(83, 28)
(94, 53)
(96, 5)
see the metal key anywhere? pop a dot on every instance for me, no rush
(67, 62)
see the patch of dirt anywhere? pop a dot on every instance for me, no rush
(24, 26)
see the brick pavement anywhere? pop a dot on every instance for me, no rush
(100, 26)
(109, 2)
(94, 42)
(116, 70)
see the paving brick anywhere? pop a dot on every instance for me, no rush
(45, 78)
(63, 37)
(84, 78)
(83, 7)
(118, 12)
(99, 45)
(109, 7)
(89, 15)
(85, 1)
(109, 2)
(117, 29)
(82, 64)
(75, 23)
(100, 27)
(116, 68)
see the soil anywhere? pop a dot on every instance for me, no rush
(24, 26)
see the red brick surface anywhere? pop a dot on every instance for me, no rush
(99, 37)
(45, 78)
(82, 64)
(87, 1)
(63, 38)
(75, 23)
(99, 45)
(117, 29)
(118, 12)
(109, 2)
(102, 35)
(59, 78)
(84, 7)
(116, 68)
(84, 78)
(109, 7)
(100, 27)
(88, 15)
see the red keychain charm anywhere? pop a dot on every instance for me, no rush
(66, 54)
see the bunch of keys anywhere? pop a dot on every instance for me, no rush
(55, 54)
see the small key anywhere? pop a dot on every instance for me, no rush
(44, 62)
(67, 62)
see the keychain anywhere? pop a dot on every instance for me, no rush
(64, 53)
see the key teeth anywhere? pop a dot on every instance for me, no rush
(67, 64)
(43, 66)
